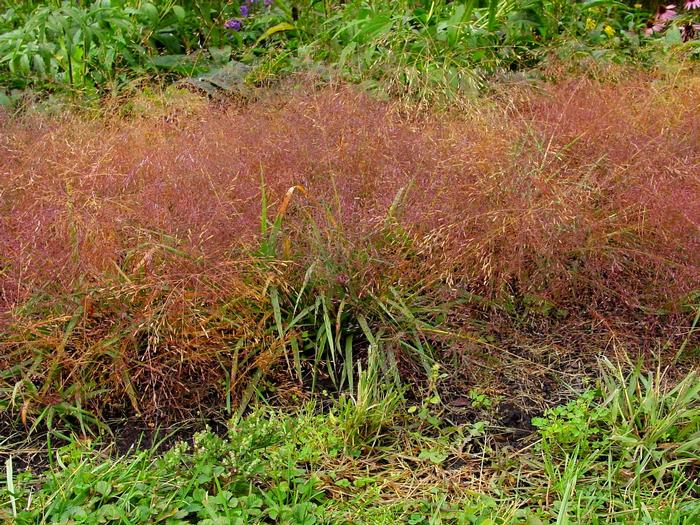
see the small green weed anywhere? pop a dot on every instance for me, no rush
(576, 424)
(482, 401)
(364, 460)
(622, 450)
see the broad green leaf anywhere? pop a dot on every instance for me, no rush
(39, 65)
(149, 10)
(24, 66)
(179, 12)
(673, 37)
(374, 27)
(284, 26)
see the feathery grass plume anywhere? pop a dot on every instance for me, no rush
(128, 264)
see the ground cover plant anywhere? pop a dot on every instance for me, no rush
(349, 262)
(434, 51)
(636, 463)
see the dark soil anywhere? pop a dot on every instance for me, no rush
(135, 434)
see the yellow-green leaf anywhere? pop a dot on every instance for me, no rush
(284, 26)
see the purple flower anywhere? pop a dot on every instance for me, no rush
(234, 24)
(268, 3)
(663, 15)
(692, 4)
(666, 13)
(244, 11)
(654, 27)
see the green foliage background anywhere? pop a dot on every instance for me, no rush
(420, 48)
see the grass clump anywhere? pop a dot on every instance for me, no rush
(140, 275)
